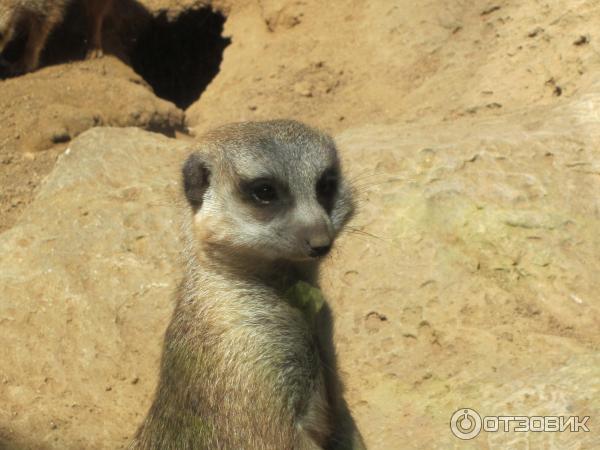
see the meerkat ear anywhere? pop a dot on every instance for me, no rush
(196, 177)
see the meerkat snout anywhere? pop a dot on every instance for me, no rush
(278, 192)
(319, 246)
(317, 252)
(317, 234)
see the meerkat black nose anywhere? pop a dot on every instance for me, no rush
(316, 252)
(319, 246)
(317, 241)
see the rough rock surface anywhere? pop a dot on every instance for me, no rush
(47, 108)
(468, 279)
(85, 283)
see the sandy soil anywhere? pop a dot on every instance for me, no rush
(485, 97)
(337, 67)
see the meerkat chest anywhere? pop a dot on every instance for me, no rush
(282, 339)
(272, 340)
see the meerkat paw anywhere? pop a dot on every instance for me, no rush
(94, 53)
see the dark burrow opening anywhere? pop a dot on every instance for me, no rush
(178, 56)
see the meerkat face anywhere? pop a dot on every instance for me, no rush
(273, 190)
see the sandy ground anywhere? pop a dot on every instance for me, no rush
(336, 67)
(469, 128)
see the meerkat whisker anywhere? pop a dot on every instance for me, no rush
(359, 187)
(365, 176)
(364, 233)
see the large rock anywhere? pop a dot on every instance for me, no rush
(468, 279)
(85, 287)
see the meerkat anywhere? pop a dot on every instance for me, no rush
(38, 18)
(248, 361)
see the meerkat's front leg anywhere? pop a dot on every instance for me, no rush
(97, 12)
(38, 34)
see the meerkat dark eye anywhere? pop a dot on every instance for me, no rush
(327, 187)
(263, 192)
(327, 184)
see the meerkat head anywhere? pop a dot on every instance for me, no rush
(269, 190)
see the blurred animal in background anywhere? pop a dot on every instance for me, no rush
(37, 18)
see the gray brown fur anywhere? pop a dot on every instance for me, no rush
(38, 18)
(242, 368)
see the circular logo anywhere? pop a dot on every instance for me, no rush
(465, 423)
